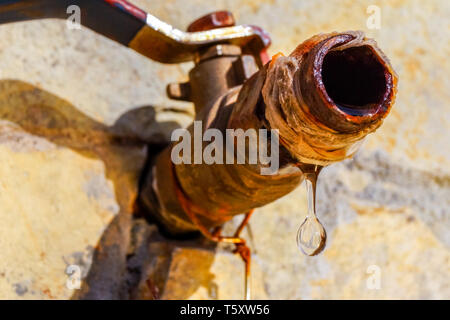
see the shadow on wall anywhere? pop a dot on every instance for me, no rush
(127, 246)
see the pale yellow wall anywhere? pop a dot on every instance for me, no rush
(390, 207)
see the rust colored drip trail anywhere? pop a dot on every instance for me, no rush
(311, 236)
(241, 245)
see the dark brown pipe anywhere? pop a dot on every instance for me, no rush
(324, 98)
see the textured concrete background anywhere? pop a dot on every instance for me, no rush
(76, 110)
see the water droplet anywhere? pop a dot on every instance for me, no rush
(311, 236)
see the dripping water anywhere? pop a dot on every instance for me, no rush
(311, 236)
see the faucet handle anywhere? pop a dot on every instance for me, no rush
(131, 26)
(162, 42)
(213, 20)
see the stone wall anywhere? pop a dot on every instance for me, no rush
(78, 114)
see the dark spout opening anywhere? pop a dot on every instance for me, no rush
(354, 79)
(345, 81)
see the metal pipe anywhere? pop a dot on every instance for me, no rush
(323, 99)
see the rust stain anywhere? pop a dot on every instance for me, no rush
(48, 293)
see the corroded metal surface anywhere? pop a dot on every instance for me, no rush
(280, 96)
